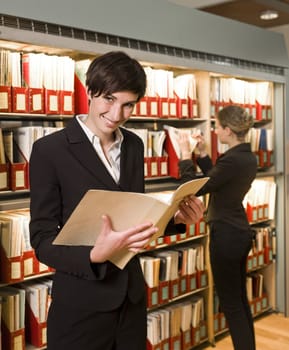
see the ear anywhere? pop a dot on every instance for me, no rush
(88, 94)
(229, 132)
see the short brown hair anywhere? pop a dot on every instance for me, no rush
(115, 71)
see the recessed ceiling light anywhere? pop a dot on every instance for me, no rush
(269, 15)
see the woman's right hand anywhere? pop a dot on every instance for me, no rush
(185, 147)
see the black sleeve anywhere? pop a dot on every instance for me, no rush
(187, 170)
(173, 228)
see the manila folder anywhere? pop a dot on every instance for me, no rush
(125, 209)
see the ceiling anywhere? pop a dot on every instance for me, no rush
(244, 10)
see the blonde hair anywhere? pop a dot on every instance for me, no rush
(237, 119)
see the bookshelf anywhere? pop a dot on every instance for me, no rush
(205, 68)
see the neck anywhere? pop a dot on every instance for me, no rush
(234, 143)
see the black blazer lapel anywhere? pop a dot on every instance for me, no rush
(85, 153)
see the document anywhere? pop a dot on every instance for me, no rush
(125, 209)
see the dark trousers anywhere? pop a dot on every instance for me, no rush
(229, 248)
(71, 328)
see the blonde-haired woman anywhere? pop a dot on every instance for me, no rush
(230, 232)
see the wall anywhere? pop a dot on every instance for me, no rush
(159, 21)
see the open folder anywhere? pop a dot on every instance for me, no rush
(125, 209)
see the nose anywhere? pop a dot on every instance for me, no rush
(116, 112)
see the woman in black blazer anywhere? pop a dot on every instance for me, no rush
(95, 305)
(230, 232)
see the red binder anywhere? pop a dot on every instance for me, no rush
(203, 330)
(202, 279)
(191, 230)
(152, 166)
(20, 100)
(162, 164)
(186, 339)
(183, 285)
(66, 102)
(173, 160)
(18, 171)
(12, 340)
(174, 288)
(164, 292)
(175, 342)
(192, 282)
(28, 263)
(142, 107)
(152, 296)
(261, 111)
(153, 106)
(36, 100)
(52, 105)
(5, 99)
(195, 331)
(154, 347)
(18, 176)
(4, 177)
(172, 107)
(163, 107)
(35, 331)
(222, 321)
(81, 100)
(11, 269)
(182, 108)
(193, 108)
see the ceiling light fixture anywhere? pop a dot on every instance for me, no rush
(269, 15)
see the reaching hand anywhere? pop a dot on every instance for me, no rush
(191, 210)
(201, 145)
(110, 242)
(185, 147)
